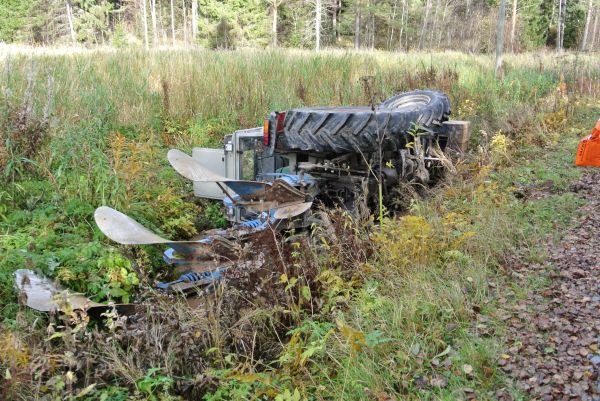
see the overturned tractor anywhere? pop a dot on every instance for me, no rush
(275, 176)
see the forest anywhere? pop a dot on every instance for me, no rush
(395, 25)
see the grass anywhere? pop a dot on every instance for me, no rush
(437, 316)
(407, 312)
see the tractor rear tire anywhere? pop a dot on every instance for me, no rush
(357, 129)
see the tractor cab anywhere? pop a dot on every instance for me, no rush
(243, 157)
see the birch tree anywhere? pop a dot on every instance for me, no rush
(441, 30)
(500, 37)
(513, 26)
(403, 20)
(560, 26)
(434, 27)
(70, 20)
(318, 24)
(588, 20)
(335, 18)
(593, 43)
(144, 5)
(163, 33)
(371, 21)
(185, 32)
(424, 26)
(154, 24)
(357, 17)
(392, 24)
(173, 22)
(194, 20)
(274, 16)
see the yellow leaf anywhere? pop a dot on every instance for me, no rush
(56, 335)
(86, 390)
(355, 338)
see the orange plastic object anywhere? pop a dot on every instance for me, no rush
(588, 153)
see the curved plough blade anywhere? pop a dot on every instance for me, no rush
(191, 169)
(123, 229)
(257, 195)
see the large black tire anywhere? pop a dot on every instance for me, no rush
(355, 129)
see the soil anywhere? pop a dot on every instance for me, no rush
(553, 351)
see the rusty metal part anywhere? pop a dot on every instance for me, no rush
(279, 192)
(274, 196)
(204, 275)
(331, 168)
(287, 212)
(44, 295)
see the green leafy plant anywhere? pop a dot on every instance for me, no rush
(119, 280)
(155, 386)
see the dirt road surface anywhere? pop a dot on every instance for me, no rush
(553, 351)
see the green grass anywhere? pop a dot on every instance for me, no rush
(448, 305)
(385, 326)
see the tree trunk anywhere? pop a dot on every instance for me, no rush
(367, 31)
(70, 19)
(559, 27)
(392, 23)
(500, 37)
(450, 35)
(185, 31)
(274, 24)
(154, 24)
(588, 20)
(194, 20)
(357, 27)
(173, 22)
(593, 44)
(427, 7)
(372, 31)
(162, 34)
(562, 24)
(433, 28)
(441, 29)
(513, 26)
(334, 21)
(467, 18)
(318, 25)
(338, 9)
(145, 17)
(402, 20)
